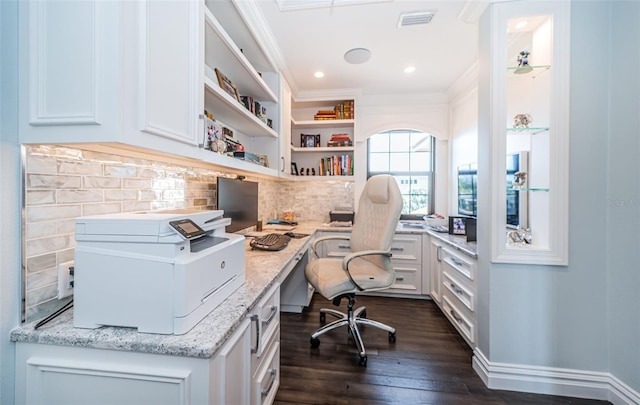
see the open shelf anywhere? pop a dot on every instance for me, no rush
(321, 123)
(323, 149)
(530, 130)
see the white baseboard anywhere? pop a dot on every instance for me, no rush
(553, 381)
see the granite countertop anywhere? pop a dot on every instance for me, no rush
(203, 341)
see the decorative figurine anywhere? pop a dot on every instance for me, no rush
(519, 237)
(522, 121)
(523, 58)
(523, 63)
(519, 180)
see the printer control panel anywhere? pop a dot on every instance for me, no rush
(187, 228)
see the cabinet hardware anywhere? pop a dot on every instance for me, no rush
(273, 373)
(344, 246)
(438, 258)
(274, 311)
(397, 249)
(282, 160)
(399, 278)
(256, 319)
(456, 261)
(456, 290)
(455, 316)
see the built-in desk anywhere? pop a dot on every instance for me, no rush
(113, 364)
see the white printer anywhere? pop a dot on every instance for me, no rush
(160, 272)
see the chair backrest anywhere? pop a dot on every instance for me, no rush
(377, 217)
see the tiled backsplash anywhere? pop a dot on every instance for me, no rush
(63, 183)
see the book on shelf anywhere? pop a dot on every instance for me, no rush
(341, 111)
(337, 165)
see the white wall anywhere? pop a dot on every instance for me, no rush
(622, 203)
(9, 197)
(583, 316)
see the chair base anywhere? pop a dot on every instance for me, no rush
(351, 319)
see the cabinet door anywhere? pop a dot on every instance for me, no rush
(170, 68)
(233, 367)
(68, 60)
(435, 261)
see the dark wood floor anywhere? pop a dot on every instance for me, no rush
(428, 364)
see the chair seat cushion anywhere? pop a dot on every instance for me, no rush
(329, 279)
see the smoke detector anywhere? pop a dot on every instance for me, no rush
(415, 18)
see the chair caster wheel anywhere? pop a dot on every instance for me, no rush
(363, 361)
(315, 342)
(392, 337)
(323, 318)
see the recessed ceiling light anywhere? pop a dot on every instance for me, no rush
(410, 69)
(318, 74)
(357, 55)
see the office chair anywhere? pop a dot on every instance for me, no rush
(367, 268)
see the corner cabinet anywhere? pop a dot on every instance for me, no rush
(110, 76)
(322, 138)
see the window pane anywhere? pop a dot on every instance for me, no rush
(378, 162)
(399, 162)
(420, 161)
(399, 142)
(420, 142)
(379, 143)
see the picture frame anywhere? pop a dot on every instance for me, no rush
(457, 226)
(294, 169)
(227, 85)
(309, 141)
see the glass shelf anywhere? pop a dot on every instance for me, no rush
(535, 71)
(530, 130)
(530, 189)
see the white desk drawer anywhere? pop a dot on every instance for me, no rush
(460, 264)
(268, 320)
(266, 380)
(462, 293)
(407, 247)
(460, 319)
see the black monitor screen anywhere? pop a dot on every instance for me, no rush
(239, 201)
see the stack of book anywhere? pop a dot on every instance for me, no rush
(325, 115)
(339, 165)
(339, 140)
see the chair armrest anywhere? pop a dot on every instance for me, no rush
(325, 238)
(348, 258)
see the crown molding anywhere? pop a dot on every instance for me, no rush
(473, 10)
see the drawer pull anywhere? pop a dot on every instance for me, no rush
(438, 251)
(455, 316)
(456, 290)
(399, 278)
(255, 318)
(456, 261)
(397, 249)
(274, 311)
(273, 373)
(344, 246)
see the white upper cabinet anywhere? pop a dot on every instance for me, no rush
(110, 72)
(528, 129)
(138, 75)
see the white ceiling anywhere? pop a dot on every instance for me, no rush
(313, 39)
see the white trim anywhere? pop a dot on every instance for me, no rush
(553, 381)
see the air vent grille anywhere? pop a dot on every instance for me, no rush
(415, 18)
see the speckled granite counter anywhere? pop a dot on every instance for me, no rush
(204, 340)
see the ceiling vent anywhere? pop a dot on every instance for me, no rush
(415, 18)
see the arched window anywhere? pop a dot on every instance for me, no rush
(409, 157)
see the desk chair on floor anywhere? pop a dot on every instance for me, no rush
(367, 268)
